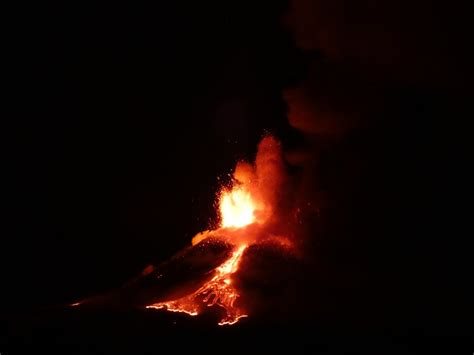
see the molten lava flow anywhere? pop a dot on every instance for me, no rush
(218, 291)
(245, 210)
(251, 212)
(237, 210)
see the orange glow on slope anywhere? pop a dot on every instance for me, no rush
(249, 213)
(251, 199)
(218, 291)
(237, 208)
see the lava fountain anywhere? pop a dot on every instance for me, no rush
(237, 209)
(246, 209)
(218, 291)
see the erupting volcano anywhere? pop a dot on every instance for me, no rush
(209, 273)
(237, 210)
(245, 208)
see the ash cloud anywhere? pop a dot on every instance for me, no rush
(417, 42)
(383, 81)
(379, 111)
(363, 49)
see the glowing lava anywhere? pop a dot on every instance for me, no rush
(247, 210)
(218, 291)
(237, 210)
(249, 213)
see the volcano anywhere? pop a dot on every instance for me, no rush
(214, 272)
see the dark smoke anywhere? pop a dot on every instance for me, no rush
(379, 109)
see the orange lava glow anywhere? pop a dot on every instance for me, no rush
(249, 213)
(237, 208)
(249, 202)
(218, 291)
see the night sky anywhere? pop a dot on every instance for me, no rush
(121, 119)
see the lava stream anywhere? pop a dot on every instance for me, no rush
(217, 291)
(244, 208)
